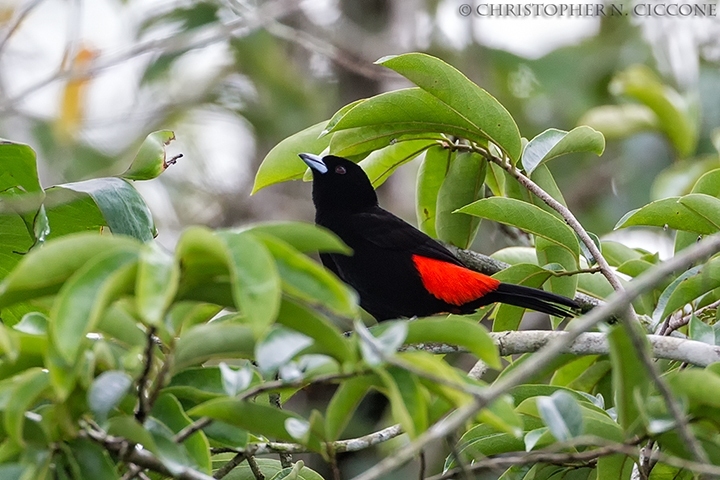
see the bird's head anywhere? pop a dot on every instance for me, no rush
(339, 184)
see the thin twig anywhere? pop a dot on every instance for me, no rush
(255, 468)
(527, 370)
(670, 326)
(229, 466)
(203, 422)
(285, 457)
(143, 407)
(17, 21)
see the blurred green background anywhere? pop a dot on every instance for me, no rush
(83, 82)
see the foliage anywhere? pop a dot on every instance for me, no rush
(110, 342)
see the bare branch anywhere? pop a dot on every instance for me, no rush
(143, 406)
(285, 458)
(229, 466)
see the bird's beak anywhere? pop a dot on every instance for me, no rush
(314, 162)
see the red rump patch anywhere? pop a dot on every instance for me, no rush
(451, 283)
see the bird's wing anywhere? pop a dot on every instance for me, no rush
(387, 231)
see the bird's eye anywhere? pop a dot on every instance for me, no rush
(340, 169)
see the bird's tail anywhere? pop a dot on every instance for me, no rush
(535, 299)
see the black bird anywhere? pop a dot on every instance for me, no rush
(397, 270)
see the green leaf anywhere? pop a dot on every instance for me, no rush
(327, 338)
(463, 185)
(700, 331)
(305, 237)
(562, 414)
(282, 163)
(235, 381)
(689, 286)
(455, 331)
(278, 347)
(616, 466)
(463, 97)
(18, 167)
(272, 470)
(380, 164)
(80, 302)
(26, 388)
(700, 387)
(200, 343)
(616, 122)
(674, 113)
(344, 402)
(628, 376)
(307, 280)
(127, 427)
(706, 206)
(430, 177)
(253, 417)
(374, 349)
(94, 460)
(508, 317)
(121, 205)
(150, 160)
(668, 213)
(168, 410)
(43, 271)
(106, 392)
(407, 402)
(156, 284)
(391, 115)
(527, 217)
(553, 143)
(254, 278)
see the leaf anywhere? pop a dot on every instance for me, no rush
(121, 206)
(668, 213)
(376, 349)
(27, 387)
(562, 414)
(689, 286)
(45, 270)
(675, 115)
(282, 163)
(380, 164)
(18, 167)
(156, 284)
(273, 470)
(344, 402)
(455, 331)
(253, 417)
(150, 160)
(235, 381)
(463, 185)
(706, 206)
(616, 466)
(168, 410)
(106, 392)
(278, 347)
(700, 387)
(391, 115)
(306, 280)
(200, 343)
(508, 317)
(93, 460)
(616, 122)
(127, 427)
(305, 237)
(326, 337)
(462, 96)
(430, 177)
(628, 376)
(79, 303)
(553, 143)
(407, 402)
(254, 278)
(700, 331)
(527, 217)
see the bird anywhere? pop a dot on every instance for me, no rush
(397, 270)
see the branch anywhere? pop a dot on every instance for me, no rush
(141, 457)
(143, 405)
(591, 343)
(339, 446)
(543, 358)
(203, 422)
